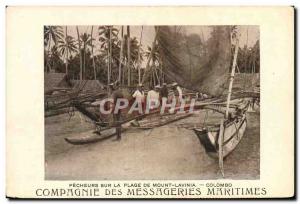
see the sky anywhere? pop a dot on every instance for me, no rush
(249, 34)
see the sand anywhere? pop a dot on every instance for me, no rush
(167, 152)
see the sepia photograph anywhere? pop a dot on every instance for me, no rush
(142, 102)
(160, 102)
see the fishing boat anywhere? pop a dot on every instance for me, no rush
(223, 139)
(232, 129)
(208, 71)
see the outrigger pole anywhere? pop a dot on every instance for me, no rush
(222, 128)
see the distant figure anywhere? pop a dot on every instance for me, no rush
(139, 95)
(164, 92)
(116, 94)
(203, 96)
(153, 95)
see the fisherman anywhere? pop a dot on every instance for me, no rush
(164, 92)
(139, 95)
(153, 97)
(177, 92)
(116, 94)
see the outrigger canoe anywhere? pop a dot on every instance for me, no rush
(233, 132)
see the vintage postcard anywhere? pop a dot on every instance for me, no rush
(150, 102)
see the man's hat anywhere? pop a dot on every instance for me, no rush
(157, 87)
(111, 84)
(140, 85)
(164, 84)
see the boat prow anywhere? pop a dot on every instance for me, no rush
(233, 132)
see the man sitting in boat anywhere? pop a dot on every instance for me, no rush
(153, 98)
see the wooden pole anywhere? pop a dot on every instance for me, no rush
(222, 128)
(220, 142)
(128, 57)
(232, 76)
(79, 48)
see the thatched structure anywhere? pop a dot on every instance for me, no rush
(55, 81)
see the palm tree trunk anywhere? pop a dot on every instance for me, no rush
(67, 51)
(139, 57)
(94, 65)
(149, 58)
(121, 55)
(128, 56)
(48, 55)
(79, 49)
(84, 47)
(110, 53)
(108, 59)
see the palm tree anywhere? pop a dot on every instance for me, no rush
(108, 37)
(66, 47)
(93, 58)
(136, 50)
(155, 60)
(52, 34)
(86, 40)
(155, 54)
(79, 51)
(151, 54)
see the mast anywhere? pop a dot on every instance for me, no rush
(232, 76)
(222, 128)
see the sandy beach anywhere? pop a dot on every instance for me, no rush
(163, 153)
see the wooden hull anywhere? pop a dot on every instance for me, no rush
(233, 133)
(160, 120)
(92, 138)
